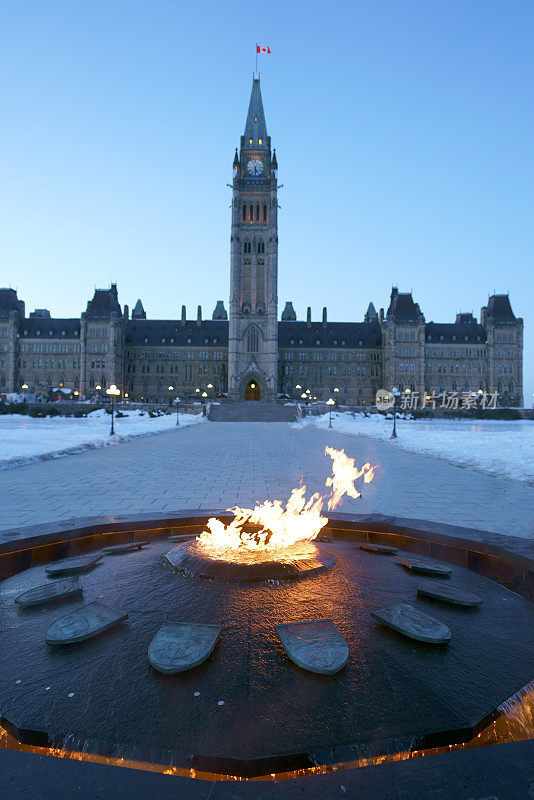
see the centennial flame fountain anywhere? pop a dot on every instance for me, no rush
(248, 710)
(270, 541)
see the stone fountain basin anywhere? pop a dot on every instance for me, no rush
(393, 694)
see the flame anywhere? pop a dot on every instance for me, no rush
(345, 473)
(276, 527)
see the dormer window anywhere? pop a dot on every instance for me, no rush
(63, 333)
(50, 333)
(189, 341)
(146, 340)
(260, 142)
(255, 119)
(250, 141)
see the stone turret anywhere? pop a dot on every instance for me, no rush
(11, 315)
(102, 332)
(138, 312)
(219, 311)
(370, 314)
(288, 314)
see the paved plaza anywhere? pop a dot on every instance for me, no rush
(218, 465)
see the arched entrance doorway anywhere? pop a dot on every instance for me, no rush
(252, 391)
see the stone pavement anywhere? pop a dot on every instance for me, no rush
(217, 465)
(252, 411)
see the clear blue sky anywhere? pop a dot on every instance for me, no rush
(403, 129)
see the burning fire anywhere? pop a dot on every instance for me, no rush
(276, 527)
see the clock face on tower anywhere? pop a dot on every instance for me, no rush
(255, 166)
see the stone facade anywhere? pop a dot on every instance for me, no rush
(253, 355)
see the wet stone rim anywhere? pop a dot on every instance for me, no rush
(191, 559)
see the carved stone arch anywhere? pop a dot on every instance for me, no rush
(252, 386)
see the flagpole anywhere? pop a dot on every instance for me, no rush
(256, 60)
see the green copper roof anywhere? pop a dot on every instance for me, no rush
(255, 127)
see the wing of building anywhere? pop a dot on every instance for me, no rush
(250, 354)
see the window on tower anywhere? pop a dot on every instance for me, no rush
(251, 213)
(247, 247)
(258, 213)
(260, 141)
(244, 215)
(250, 141)
(265, 213)
(253, 341)
(261, 246)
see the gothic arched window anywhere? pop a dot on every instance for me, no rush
(261, 246)
(253, 341)
(247, 246)
(251, 213)
(265, 212)
(244, 214)
(258, 213)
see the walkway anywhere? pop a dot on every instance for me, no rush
(219, 465)
(252, 411)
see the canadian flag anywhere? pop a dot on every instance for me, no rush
(262, 48)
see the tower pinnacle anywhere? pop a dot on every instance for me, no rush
(255, 127)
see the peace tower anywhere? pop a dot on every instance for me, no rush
(253, 327)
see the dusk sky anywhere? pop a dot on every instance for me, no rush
(403, 131)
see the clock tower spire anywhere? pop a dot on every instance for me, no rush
(253, 325)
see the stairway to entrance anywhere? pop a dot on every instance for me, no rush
(252, 411)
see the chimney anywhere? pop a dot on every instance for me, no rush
(324, 317)
(381, 315)
(126, 312)
(183, 315)
(199, 315)
(308, 317)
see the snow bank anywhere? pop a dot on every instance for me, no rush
(24, 439)
(497, 447)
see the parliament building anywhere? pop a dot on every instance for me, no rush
(248, 352)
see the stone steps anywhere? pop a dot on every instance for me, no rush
(252, 411)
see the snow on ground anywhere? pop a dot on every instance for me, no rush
(497, 447)
(24, 439)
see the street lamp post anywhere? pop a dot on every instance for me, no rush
(395, 393)
(330, 403)
(113, 392)
(176, 401)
